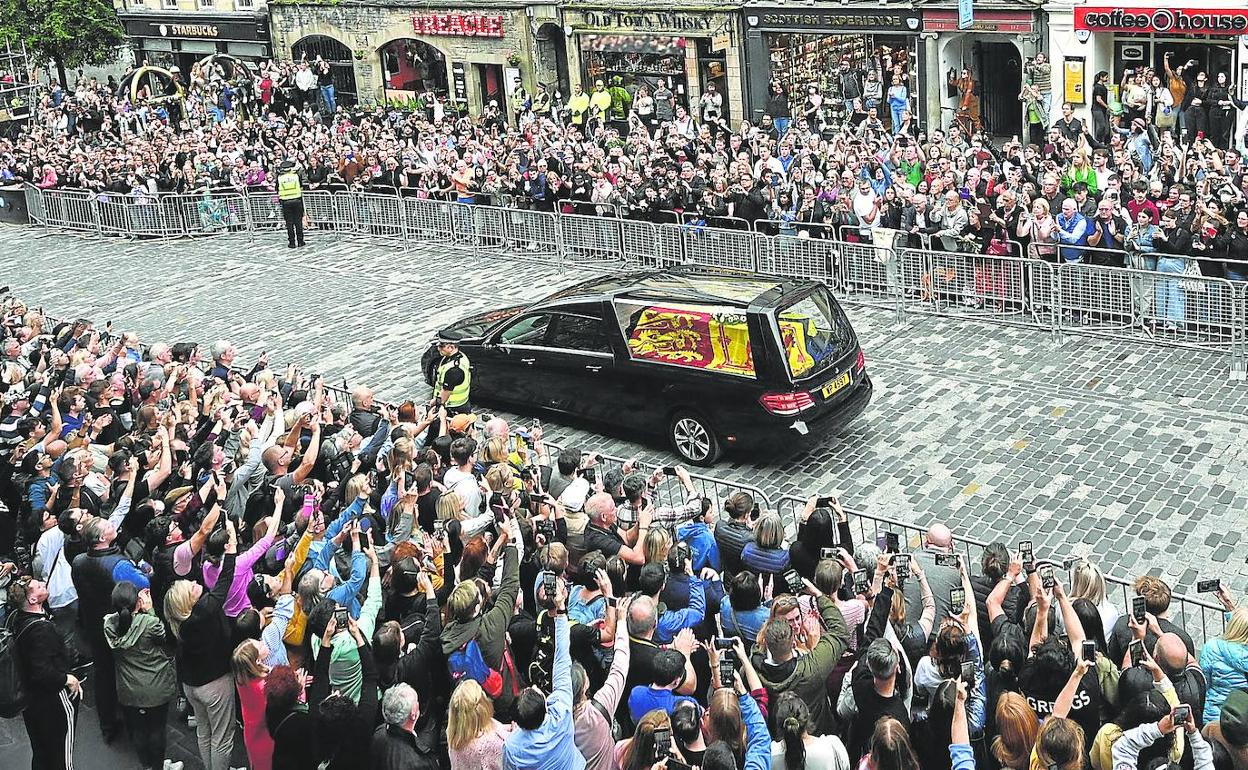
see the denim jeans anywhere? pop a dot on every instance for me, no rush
(897, 110)
(329, 98)
(782, 125)
(1171, 304)
(1142, 285)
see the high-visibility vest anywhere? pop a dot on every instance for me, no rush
(288, 187)
(459, 395)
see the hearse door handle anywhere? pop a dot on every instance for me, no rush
(528, 361)
(594, 368)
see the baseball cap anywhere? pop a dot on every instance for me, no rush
(462, 423)
(1234, 718)
(176, 495)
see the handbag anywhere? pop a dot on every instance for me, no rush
(998, 247)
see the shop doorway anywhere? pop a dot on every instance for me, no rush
(411, 67)
(1000, 71)
(338, 55)
(490, 85)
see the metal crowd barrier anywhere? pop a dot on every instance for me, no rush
(1200, 618)
(1152, 302)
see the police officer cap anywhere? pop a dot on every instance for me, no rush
(287, 165)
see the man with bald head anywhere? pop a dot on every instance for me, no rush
(643, 618)
(1184, 672)
(603, 533)
(363, 417)
(939, 540)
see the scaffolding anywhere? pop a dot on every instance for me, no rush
(17, 89)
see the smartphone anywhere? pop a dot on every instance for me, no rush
(794, 581)
(825, 502)
(1208, 586)
(1046, 576)
(550, 585)
(957, 600)
(1089, 651)
(827, 553)
(1136, 648)
(724, 642)
(1070, 563)
(968, 673)
(1026, 555)
(861, 582)
(669, 470)
(1139, 606)
(662, 743)
(613, 601)
(947, 560)
(439, 527)
(1180, 714)
(726, 671)
(340, 618)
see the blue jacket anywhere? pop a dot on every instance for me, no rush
(702, 545)
(757, 739)
(1072, 231)
(1225, 665)
(673, 621)
(644, 699)
(551, 746)
(769, 560)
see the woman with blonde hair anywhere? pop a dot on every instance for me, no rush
(1224, 659)
(657, 543)
(198, 621)
(768, 553)
(1087, 582)
(473, 737)
(1017, 728)
(249, 674)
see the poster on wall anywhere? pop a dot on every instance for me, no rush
(1073, 82)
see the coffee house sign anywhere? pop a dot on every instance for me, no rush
(659, 21)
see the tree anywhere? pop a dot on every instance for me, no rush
(68, 33)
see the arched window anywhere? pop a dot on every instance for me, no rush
(338, 55)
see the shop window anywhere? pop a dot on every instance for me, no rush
(636, 60)
(244, 5)
(206, 3)
(411, 67)
(169, 4)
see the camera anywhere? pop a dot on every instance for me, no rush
(947, 560)
(679, 556)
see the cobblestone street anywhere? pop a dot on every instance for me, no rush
(1086, 446)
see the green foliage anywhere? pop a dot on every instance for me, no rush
(68, 33)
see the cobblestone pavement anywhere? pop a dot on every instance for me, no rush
(1136, 454)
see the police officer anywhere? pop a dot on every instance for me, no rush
(454, 379)
(290, 195)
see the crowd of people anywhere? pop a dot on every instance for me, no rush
(1155, 180)
(349, 584)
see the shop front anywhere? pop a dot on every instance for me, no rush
(692, 54)
(183, 38)
(415, 59)
(994, 51)
(801, 50)
(1118, 40)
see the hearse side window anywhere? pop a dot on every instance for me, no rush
(527, 330)
(576, 332)
(708, 337)
(815, 333)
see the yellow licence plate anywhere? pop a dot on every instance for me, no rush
(835, 385)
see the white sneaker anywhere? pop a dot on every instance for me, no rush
(171, 765)
(191, 721)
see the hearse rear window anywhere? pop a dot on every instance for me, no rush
(689, 335)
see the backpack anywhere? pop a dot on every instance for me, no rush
(12, 690)
(467, 663)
